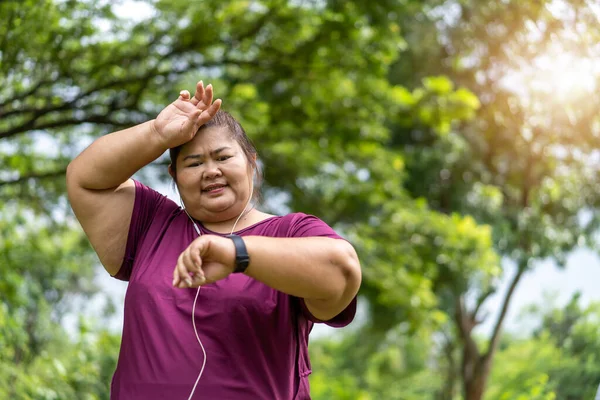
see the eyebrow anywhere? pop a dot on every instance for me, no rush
(212, 153)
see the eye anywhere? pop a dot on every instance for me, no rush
(196, 164)
(223, 158)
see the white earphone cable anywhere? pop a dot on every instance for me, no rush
(194, 313)
(198, 291)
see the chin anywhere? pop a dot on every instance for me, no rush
(219, 211)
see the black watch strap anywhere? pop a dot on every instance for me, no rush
(242, 259)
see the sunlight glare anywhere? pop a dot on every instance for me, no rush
(565, 76)
(561, 77)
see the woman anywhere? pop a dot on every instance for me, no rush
(259, 290)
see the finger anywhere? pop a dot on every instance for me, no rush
(196, 259)
(199, 93)
(193, 265)
(210, 112)
(188, 262)
(184, 276)
(208, 95)
(191, 124)
(176, 276)
(198, 280)
(184, 95)
(187, 279)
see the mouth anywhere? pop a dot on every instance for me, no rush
(213, 188)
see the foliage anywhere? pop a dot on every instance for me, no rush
(391, 120)
(557, 360)
(65, 369)
(394, 367)
(574, 332)
(522, 368)
(525, 164)
(277, 66)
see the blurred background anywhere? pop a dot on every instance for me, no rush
(454, 142)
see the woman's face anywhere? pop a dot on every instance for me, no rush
(213, 176)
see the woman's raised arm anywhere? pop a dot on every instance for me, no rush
(98, 180)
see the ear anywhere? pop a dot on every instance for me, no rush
(172, 173)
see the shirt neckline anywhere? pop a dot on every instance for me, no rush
(211, 232)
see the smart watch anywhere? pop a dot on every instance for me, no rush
(242, 259)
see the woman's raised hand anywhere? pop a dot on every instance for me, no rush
(179, 121)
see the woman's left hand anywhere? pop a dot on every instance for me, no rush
(207, 259)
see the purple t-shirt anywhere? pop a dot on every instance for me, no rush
(256, 338)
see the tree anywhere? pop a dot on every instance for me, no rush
(522, 367)
(525, 165)
(396, 368)
(574, 331)
(300, 76)
(355, 121)
(558, 358)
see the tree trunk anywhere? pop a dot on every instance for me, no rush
(475, 386)
(476, 367)
(448, 390)
(474, 389)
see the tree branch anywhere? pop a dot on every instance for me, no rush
(503, 311)
(68, 104)
(23, 95)
(31, 123)
(36, 176)
(447, 391)
(470, 351)
(480, 301)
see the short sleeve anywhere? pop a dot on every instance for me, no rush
(304, 225)
(146, 204)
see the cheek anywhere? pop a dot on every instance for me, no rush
(242, 179)
(187, 179)
(238, 173)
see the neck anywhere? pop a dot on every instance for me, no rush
(247, 218)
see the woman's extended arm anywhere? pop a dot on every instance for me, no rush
(98, 184)
(325, 272)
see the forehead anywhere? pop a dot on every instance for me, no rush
(208, 140)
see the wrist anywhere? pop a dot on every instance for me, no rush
(242, 258)
(155, 138)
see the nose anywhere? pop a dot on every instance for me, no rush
(211, 170)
